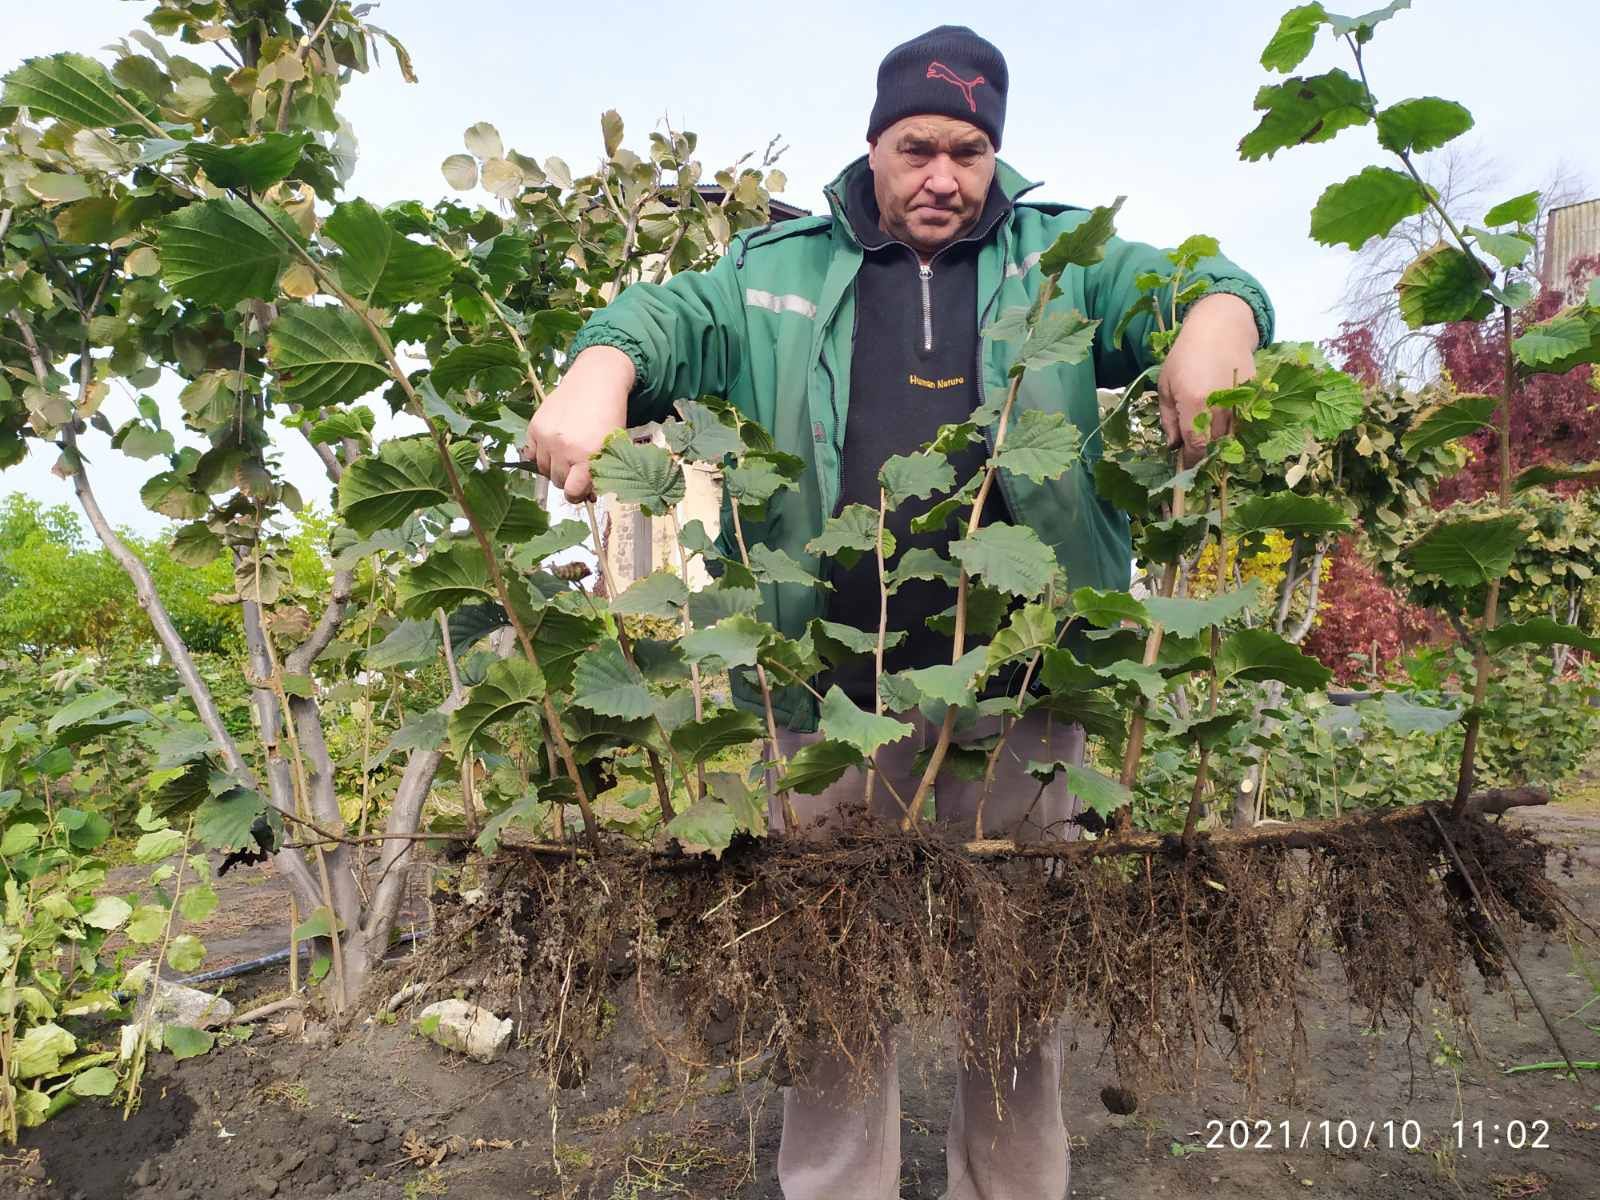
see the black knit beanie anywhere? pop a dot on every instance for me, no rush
(950, 71)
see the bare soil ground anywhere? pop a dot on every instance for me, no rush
(381, 1112)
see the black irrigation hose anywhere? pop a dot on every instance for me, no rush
(272, 960)
(260, 964)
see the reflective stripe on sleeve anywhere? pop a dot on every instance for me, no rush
(756, 298)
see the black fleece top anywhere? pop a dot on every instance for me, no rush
(915, 368)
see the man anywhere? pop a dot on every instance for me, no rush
(853, 337)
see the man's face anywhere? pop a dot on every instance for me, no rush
(931, 175)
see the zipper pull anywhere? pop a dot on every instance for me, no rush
(925, 271)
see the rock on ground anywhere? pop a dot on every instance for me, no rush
(466, 1028)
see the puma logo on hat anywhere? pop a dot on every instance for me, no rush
(937, 70)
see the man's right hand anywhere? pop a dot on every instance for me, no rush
(589, 403)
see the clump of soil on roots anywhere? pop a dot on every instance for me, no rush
(782, 947)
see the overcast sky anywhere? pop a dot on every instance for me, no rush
(1144, 99)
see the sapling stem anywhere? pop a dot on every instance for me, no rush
(1481, 667)
(657, 772)
(1428, 193)
(688, 628)
(766, 692)
(469, 808)
(1192, 817)
(142, 1038)
(1032, 804)
(1482, 663)
(959, 646)
(800, 680)
(883, 634)
(145, 593)
(1007, 726)
(989, 765)
(366, 722)
(1122, 819)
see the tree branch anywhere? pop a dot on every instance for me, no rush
(166, 632)
(280, 775)
(1303, 626)
(330, 460)
(298, 661)
(144, 587)
(305, 48)
(1291, 580)
(404, 816)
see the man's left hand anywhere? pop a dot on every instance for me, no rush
(1215, 350)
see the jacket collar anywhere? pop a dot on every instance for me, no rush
(1012, 186)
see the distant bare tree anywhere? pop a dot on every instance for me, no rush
(1468, 181)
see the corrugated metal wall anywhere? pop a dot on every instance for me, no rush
(1571, 232)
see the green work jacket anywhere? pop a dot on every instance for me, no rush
(771, 328)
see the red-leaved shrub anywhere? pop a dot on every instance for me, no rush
(1554, 419)
(1360, 618)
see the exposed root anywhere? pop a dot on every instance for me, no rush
(795, 948)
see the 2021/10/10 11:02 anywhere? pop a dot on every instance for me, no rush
(1372, 1135)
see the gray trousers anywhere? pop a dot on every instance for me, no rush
(1013, 1146)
